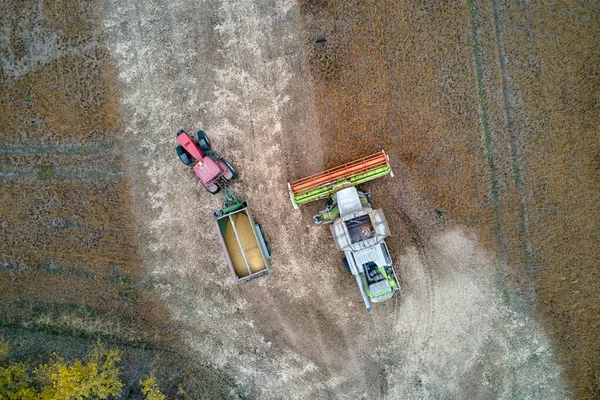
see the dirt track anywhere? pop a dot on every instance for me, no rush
(239, 72)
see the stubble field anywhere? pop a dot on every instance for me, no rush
(492, 108)
(489, 113)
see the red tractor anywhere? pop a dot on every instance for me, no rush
(212, 170)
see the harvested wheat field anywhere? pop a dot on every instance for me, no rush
(488, 111)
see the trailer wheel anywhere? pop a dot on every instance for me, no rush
(203, 141)
(262, 235)
(212, 189)
(346, 265)
(233, 174)
(183, 155)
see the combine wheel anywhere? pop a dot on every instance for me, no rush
(183, 155)
(232, 174)
(203, 141)
(346, 265)
(212, 189)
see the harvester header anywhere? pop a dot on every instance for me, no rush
(324, 184)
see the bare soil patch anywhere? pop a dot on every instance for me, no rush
(240, 74)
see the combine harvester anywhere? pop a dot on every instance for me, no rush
(242, 240)
(357, 229)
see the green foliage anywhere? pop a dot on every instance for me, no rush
(151, 390)
(45, 173)
(4, 348)
(97, 378)
(16, 383)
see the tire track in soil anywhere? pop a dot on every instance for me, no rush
(311, 321)
(424, 249)
(244, 97)
(487, 131)
(422, 245)
(515, 146)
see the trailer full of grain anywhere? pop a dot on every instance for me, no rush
(242, 240)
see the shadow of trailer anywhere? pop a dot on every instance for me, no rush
(243, 241)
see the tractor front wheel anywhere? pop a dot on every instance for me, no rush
(183, 155)
(212, 189)
(232, 174)
(203, 141)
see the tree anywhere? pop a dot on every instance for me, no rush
(16, 383)
(98, 378)
(151, 390)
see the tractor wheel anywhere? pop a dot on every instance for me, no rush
(203, 141)
(213, 189)
(233, 174)
(346, 265)
(181, 132)
(183, 155)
